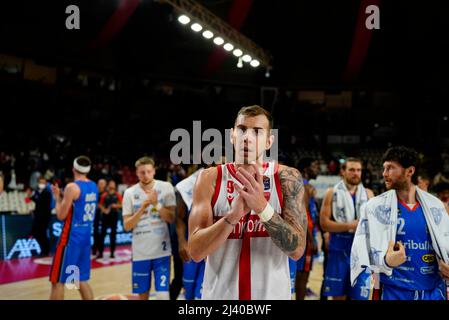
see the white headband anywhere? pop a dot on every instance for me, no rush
(79, 168)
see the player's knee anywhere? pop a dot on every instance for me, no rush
(57, 285)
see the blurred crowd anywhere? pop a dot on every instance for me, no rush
(20, 171)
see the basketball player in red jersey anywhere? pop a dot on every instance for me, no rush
(248, 217)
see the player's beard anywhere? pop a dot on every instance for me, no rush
(353, 181)
(397, 185)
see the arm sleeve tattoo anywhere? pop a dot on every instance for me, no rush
(289, 232)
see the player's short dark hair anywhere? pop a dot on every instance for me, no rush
(83, 161)
(143, 161)
(255, 110)
(304, 163)
(406, 157)
(351, 159)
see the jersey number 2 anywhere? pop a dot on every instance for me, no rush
(401, 226)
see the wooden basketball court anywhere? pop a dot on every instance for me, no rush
(108, 282)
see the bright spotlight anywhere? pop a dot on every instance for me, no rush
(255, 63)
(196, 27)
(228, 47)
(218, 41)
(246, 58)
(208, 34)
(237, 52)
(183, 19)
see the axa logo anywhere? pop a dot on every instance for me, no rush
(24, 247)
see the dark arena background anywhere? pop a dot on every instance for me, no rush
(115, 87)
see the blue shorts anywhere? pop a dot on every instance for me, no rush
(389, 292)
(292, 266)
(299, 266)
(142, 274)
(71, 263)
(337, 280)
(192, 279)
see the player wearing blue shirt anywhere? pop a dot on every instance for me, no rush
(417, 275)
(337, 274)
(71, 263)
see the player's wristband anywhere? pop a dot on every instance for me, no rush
(385, 261)
(266, 213)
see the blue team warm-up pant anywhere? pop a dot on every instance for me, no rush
(337, 280)
(193, 279)
(389, 292)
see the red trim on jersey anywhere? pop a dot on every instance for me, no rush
(66, 230)
(408, 208)
(119, 197)
(277, 181)
(308, 259)
(233, 172)
(377, 293)
(309, 249)
(309, 220)
(55, 272)
(103, 196)
(217, 186)
(265, 166)
(245, 266)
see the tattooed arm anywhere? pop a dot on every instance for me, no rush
(289, 231)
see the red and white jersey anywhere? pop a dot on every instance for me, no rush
(248, 265)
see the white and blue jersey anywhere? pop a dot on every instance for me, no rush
(73, 248)
(418, 276)
(151, 246)
(342, 241)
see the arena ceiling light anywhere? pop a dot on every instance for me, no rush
(213, 27)
(208, 34)
(254, 63)
(237, 52)
(228, 47)
(218, 41)
(183, 19)
(196, 27)
(247, 58)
